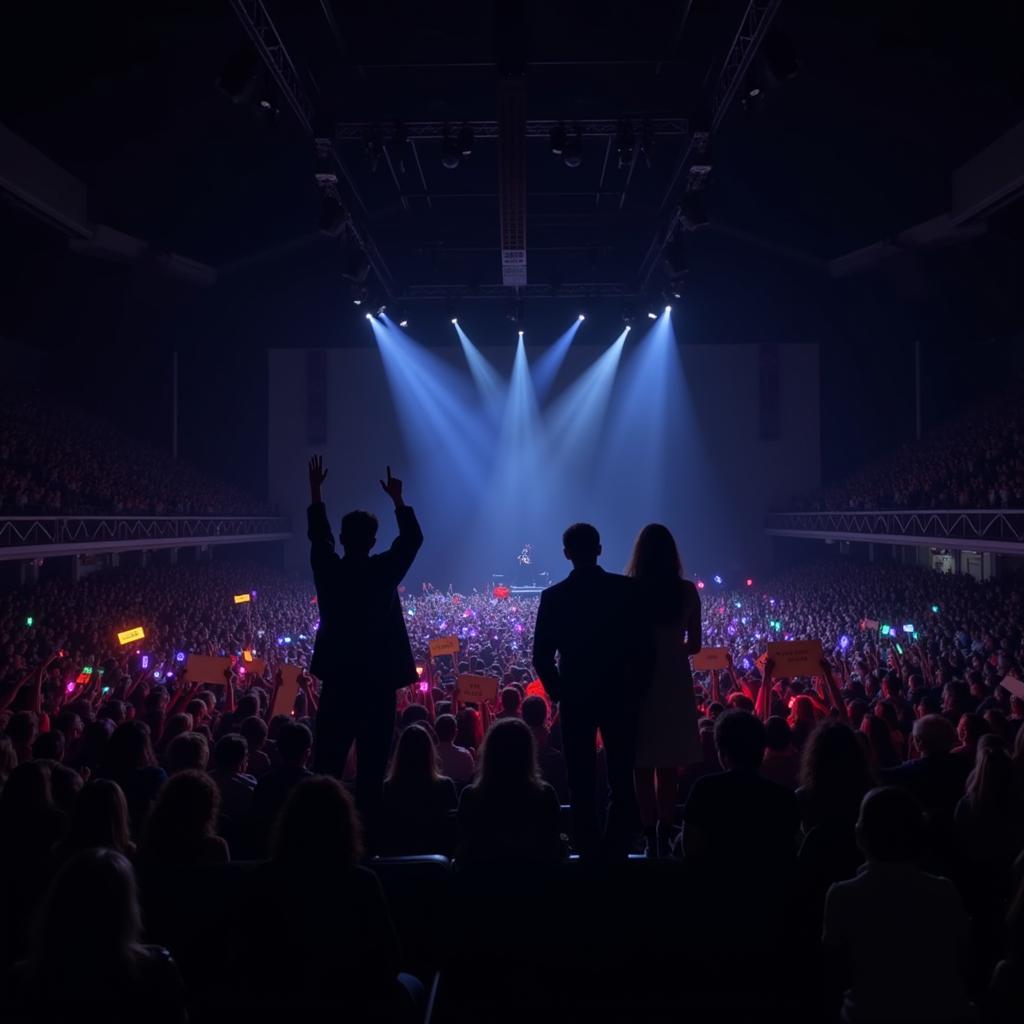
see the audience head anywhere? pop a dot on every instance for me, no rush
(415, 759)
(100, 818)
(185, 811)
(834, 762)
(777, 734)
(49, 746)
(294, 742)
(188, 752)
(581, 544)
(891, 826)
(358, 532)
(535, 712)
(655, 555)
(230, 752)
(990, 784)
(508, 759)
(740, 740)
(511, 698)
(446, 727)
(129, 749)
(934, 735)
(318, 827)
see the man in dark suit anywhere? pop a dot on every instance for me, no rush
(362, 653)
(605, 659)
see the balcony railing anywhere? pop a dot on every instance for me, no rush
(50, 536)
(999, 530)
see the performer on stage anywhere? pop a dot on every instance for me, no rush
(524, 572)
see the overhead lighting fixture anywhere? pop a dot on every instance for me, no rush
(652, 316)
(369, 316)
(581, 317)
(629, 327)
(520, 334)
(381, 310)
(449, 150)
(668, 309)
(403, 323)
(455, 319)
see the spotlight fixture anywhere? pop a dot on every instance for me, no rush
(369, 316)
(403, 323)
(449, 150)
(455, 319)
(572, 155)
(652, 316)
(629, 327)
(357, 301)
(668, 309)
(381, 310)
(581, 317)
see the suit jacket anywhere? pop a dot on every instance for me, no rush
(362, 634)
(592, 620)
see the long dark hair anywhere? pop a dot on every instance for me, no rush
(508, 758)
(656, 564)
(415, 760)
(318, 827)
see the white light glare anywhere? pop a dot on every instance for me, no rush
(455, 319)
(581, 317)
(520, 334)
(668, 309)
(652, 316)
(369, 316)
(403, 323)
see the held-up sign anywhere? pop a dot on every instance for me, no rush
(708, 658)
(129, 636)
(444, 645)
(202, 668)
(795, 658)
(243, 598)
(284, 698)
(476, 689)
(1015, 686)
(871, 624)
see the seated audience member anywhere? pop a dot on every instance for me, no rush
(30, 824)
(237, 789)
(188, 751)
(457, 762)
(65, 784)
(781, 762)
(49, 746)
(803, 717)
(23, 728)
(181, 830)
(86, 963)
(882, 752)
(294, 743)
(735, 817)
(913, 972)
(254, 732)
(937, 776)
(969, 731)
(336, 947)
(509, 813)
(834, 776)
(511, 699)
(549, 758)
(129, 760)
(418, 800)
(99, 819)
(471, 730)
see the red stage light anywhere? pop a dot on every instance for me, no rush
(501, 592)
(750, 582)
(700, 584)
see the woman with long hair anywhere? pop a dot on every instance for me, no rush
(182, 829)
(99, 819)
(509, 813)
(667, 737)
(129, 760)
(882, 752)
(87, 962)
(418, 799)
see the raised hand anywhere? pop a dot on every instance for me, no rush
(393, 489)
(317, 475)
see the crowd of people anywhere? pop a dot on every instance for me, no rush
(974, 462)
(52, 463)
(887, 787)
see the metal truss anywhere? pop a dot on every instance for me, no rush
(431, 131)
(50, 536)
(1000, 530)
(268, 43)
(756, 20)
(593, 289)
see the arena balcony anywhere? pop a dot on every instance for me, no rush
(996, 531)
(29, 537)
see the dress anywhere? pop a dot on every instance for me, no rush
(668, 716)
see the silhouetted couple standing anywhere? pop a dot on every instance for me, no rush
(614, 652)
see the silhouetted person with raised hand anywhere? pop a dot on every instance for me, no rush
(605, 657)
(362, 653)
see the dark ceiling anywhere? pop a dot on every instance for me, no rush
(889, 100)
